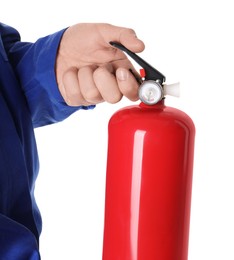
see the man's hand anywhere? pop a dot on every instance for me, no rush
(89, 70)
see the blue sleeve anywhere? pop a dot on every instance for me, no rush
(34, 65)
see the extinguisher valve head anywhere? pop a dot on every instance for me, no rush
(172, 89)
(150, 92)
(153, 89)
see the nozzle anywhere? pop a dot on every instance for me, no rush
(172, 89)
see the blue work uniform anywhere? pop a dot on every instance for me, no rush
(29, 98)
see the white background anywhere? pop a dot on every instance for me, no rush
(189, 41)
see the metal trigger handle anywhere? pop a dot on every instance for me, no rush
(151, 89)
(150, 72)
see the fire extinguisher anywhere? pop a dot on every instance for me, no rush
(149, 175)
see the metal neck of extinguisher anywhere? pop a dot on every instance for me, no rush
(153, 87)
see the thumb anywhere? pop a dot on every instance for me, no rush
(125, 36)
(129, 39)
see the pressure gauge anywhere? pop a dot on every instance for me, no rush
(150, 92)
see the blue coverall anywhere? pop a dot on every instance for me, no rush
(29, 98)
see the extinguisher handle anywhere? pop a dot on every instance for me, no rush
(150, 72)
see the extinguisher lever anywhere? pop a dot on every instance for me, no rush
(153, 87)
(150, 72)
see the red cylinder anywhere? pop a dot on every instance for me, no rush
(148, 184)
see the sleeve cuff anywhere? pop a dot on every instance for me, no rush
(45, 100)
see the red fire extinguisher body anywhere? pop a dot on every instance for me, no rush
(148, 184)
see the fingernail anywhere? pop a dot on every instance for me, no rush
(122, 74)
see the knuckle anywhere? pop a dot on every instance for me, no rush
(112, 99)
(92, 95)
